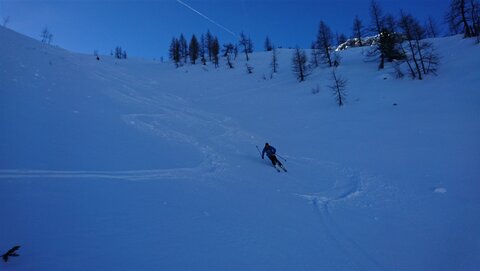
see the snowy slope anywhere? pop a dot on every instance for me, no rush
(132, 164)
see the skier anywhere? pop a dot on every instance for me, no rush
(270, 151)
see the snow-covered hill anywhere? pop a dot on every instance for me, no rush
(136, 165)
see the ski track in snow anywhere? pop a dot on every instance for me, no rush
(171, 125)
(349, 186)
(173, 120)
(121, 175)
(352, 250)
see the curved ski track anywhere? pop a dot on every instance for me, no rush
(172, 118)
(352, 185)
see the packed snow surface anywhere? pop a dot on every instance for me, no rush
(138, 165)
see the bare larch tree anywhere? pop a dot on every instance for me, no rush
(299, 64)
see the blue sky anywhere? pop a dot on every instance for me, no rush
(145, 28)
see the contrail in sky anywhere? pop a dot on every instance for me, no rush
(204, 16)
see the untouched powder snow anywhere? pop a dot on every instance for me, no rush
(136, 165)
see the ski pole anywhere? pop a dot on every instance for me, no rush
(282, 158)
(258, 150)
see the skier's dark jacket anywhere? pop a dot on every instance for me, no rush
(270, 150)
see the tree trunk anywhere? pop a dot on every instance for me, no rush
(421, 56)
(412, 71)
(245, 50)
(468, 33)
(340, 102)
(382, 61)
(414, 57)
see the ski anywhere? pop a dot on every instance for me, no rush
(280, 167)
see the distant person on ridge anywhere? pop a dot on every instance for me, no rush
(270, 151)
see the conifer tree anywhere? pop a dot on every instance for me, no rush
(377, 27)
(183, 48)
(274, 63)
(463, 16)
(324, 42)
(268, 44)
(174, 52)
(338, 87)
(119, 53)
(203, 50)
(299, 64)
(215, 51)
(315, 55)
(419, 54)
(246, 44)
(209, 44)
(228, 53)
(46, 36)
(193, 49)
(431, 27)
(384, 27)
(376, 17)
(407, 24)
(358, 30)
